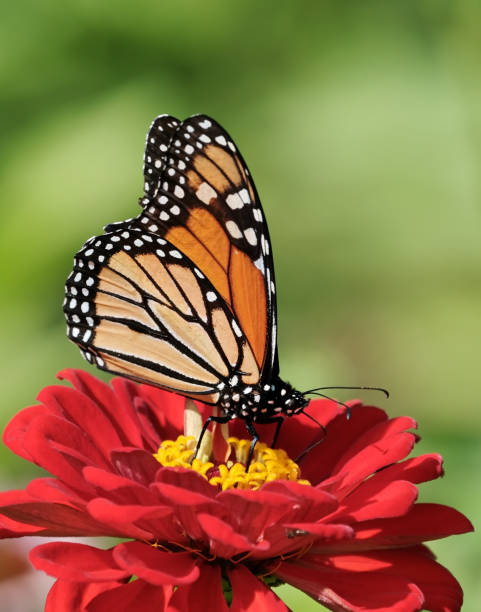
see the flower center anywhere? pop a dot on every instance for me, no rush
(267, 463)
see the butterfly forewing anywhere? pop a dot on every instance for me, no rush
(139, 307)
(206, 204)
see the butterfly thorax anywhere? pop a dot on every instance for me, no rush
(257, 402)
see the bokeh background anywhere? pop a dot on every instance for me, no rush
(361, 123)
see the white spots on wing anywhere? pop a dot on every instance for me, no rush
(101, 258)
(175, 210)
(125, 235)
(162, 199)
(163, 148)
(231, 146)
(198, 273)
(181, 165)
(205, 193)
(221, 140)
(171, 172)
(88, 252)
(236, 328)
(178, 191)
(177, 143)
(250, 235)
(147, 237)
(233, 229)
(85, 291)
(91, 264)
(257, 214)
(115, 238)
(190, 128)
(153, 228)
(144, 220)
(234, 201)
(157, 163)
(189, 149)
(259, 264)
(204, 138)
(73, 303)
(75, 332)
(73, 290)
(160, 252)
(78, 277)
(138, 242)
(87, 335)
(127, 247)
(146, 186)
(75, 318)
(176, 254)
(264, 245)
(90, 281)
(205, 124)
(273, 287)
(211, 296)
(100, 362)
(161, 241)
(244, 195)
(164, 216)
(85, 307)
(90, 321)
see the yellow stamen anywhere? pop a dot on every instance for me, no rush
(267, 463)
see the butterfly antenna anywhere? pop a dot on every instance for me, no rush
(312, 445)
(381, 389)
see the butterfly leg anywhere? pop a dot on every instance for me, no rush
(208, 421)
(255, 438)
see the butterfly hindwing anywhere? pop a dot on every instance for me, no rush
(206, 204)
(139, 307)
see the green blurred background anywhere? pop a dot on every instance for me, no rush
(361, 123)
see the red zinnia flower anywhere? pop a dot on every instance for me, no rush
(352, 538)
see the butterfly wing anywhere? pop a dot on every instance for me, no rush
(200, 197)
(138, 307)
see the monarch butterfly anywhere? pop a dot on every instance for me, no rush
(183, 296)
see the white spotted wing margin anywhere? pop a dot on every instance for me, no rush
(138, 307)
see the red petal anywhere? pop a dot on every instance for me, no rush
(255, 511)
(136, 595)
(422, 523)
(135, 464)
(308, 503)
(76, 562)
(168, 409)
(47, 444)
(204, 594)
(223, 540)
(374, 500)
(53, 490)
(323, 531)
(341, 434)
(363, 588)
(67, 596)
(56, 519)
(187, 505)
(15, 431)
(156, 566)
(251, 594)
(108, 484)
(124, 411)
(187, 479)
(85, 413)
(382, 445)
(137, 521)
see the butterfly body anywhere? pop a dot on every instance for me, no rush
(183, 296)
